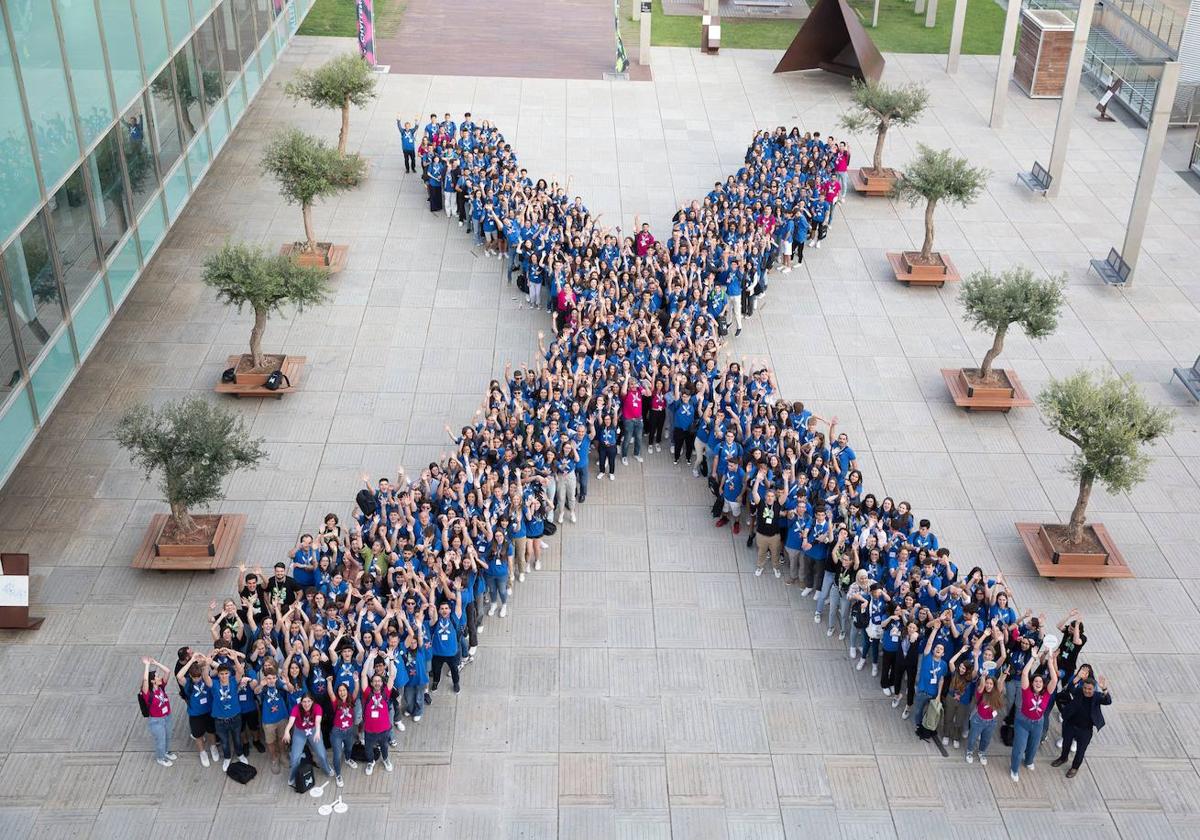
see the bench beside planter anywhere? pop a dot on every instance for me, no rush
(962, 383)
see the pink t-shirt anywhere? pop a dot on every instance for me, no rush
(843, 162)
(631, 404)
(159, 702)
(343, 715)
(375, 710)
(832, 190)
(306, 722)
(658, 402)
(1033, 705)
(983, 708)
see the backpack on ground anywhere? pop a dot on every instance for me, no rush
(358, 751)
(1006, 734)
(229, 375)
(718, 507)
(522, 284)
(243, 773)
(304, 777)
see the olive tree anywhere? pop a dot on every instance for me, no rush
(938, 176)
(877, 107)
(338, 83)
(1015, 296)
(1109, 420)
(193, 445)
(243, 275)
(307, 169)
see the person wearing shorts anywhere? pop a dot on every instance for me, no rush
(273, 713)
(194, 677)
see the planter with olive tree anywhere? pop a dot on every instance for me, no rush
(244, 276)
(193, 446)
(934, 177)
(995, 302)
(1109, 421)
(308, 170)
(877, 107)
(339, 83)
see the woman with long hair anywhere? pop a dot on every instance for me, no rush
(157, 702)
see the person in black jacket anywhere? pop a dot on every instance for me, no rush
(1082, 716)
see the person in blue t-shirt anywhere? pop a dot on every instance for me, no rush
(930, 673)
(445, 621)
(194, 678)
(226, 712)
(408, 142)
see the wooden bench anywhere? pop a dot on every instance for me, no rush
(1116, 567)
(770, 7)
(227, 543)
(1190, 377)
(958, 393)
(1037, 178)
(1113, 270)
(292, 366)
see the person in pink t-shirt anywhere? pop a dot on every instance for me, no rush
(158, 702)
(376, 710)
(632, 395)
(1033, 704)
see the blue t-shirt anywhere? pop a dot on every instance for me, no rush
(273, 703)
(199, 699)
(225, 699)
(930, 674)
(445, 637)
(408, 138)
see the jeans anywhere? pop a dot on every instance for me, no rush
(229, 733)
(838, 603)
(313, 740)
(497, 588)
(1026, 734)
(581, 479)
(919, 706)
(341, 740)
(980, 733)
(377, 743)
(867, 644)
(564, 496)
(633, 430)
(826, 588)
(160, 731)
(414, 699)
(535, 294)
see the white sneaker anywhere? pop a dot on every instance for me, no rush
(339, 781)
(562, 517)
(695, 473)
(504, 611)
(1074, 746)
(854, 653)
(243, 760)
(829, 633)
(983, 759)
(816, 595)
(1014, 776)
(400, 725)
(508, 591)
(970, 758)
(225, 765)
(165, 762)
(1028, 766)
(887, 692)
(521, 577)
(945, 742)
(907, 711)
(758, 572)
(874, 670)
(471, 650)
(640, 459)
(573, 519)
(172, 757)
(778, 574)
(351, 763)
(954, 744)
(204, 758)
(387, 764)
(612, 476)
(214, 752)
(492, 609)
(896, 701)
(860, 665)
(537, 566)
(816, 618)
(624, 461)
(370, 768)
(805, 591)
(544, 544)
(1059, 743)
(841, 635)
(416, 717)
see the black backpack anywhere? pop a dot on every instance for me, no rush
(366, 501)
(358, 751)
(276, 379)
(243, 773)
(143, 705)
(523, 283)
(304, 777)
(549, 529)
(228, 375)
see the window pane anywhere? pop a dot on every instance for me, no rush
(122, 53)
(198, 157)
(187, 86)
(218, 127)
(45, 87)
(51, 373)
(179, 21)
(168, 143)
(253, 75)
(10, 366)
(68, 211)
(154, 35)
(264, 16)
(112, 211)
(200, 8)
(176, 192)
(208, 54)
(16, 428)
(18, 181)
(34, 287)
(139, 156)
(81, 36)
(237, 100)
(124, 265)
(89, 318)
(227, 46)
(242, 12)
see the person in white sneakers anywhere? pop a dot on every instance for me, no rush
(156, 708)
(192, 679)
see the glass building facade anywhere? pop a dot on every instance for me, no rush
(112, 112)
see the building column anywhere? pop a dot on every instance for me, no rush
(1156, 135)
(1066, 108)
(1005, 68)
(931, 14)
(956, 33)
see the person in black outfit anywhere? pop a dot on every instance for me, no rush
(907, 658)
(1082, 716)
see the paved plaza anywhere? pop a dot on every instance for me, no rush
(645, 684)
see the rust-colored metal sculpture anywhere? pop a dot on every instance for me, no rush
(832, 38)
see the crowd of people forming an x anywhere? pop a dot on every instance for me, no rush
(324, 658)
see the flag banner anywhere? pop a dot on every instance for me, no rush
(366, 30)
(622, 59)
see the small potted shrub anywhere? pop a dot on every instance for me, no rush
(193, 446)
(1109, 421)
(243, 275)
(995, 302)
(877, 107)
(934, 177)
(308, 170)
(339, 83)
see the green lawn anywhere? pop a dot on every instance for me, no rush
(900, 30)
(336, 17)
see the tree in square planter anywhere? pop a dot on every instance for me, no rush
(1109, 421)
(934, 177)
(339, 83)
(995, 302)
(877, 107)
(193, 446)
(245, 276)
(308, 170)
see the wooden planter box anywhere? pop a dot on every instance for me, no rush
(217, 553)
(912, 274)
(865, 181)
(327, 255)
(253, 385)
(976, 398)
(1053, 561)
